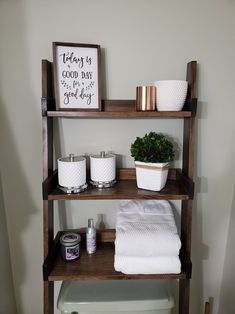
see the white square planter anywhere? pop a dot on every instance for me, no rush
(151, 176)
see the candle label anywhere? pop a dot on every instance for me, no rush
(72, 252)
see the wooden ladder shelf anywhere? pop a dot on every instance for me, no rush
(180, 186)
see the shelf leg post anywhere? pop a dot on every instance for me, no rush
(48, 217)
(48, 210)
(186, 227)
(48, 297)
(184, 285)
(186, 207)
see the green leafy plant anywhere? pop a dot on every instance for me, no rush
(153, 147)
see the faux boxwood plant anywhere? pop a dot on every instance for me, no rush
(153, 147)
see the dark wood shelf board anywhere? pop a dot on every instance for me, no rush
(124, 189)
(99, 265)
(124, 109)
(177, 188)
(120, 114)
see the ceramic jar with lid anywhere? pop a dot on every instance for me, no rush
(103, 170)
(72, 173)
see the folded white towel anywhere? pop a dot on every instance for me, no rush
(147, 244)
(129, 222)
(159, 207)
(147, 265)
(139, 234)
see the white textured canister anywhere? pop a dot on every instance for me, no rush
(72, 171)
(103, 167)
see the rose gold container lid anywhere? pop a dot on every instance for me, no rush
(145, 98)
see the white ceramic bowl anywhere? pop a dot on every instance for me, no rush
(171, 94)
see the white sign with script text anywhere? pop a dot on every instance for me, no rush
(77, 77)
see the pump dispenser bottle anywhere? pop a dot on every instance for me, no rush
(91, 237)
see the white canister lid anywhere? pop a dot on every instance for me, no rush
(103, 155)
(71, 158)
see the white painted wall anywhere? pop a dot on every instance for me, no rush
(143, 41)
(7, 298)
(227, 304)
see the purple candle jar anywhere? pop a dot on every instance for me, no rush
(70, 246)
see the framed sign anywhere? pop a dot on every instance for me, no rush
(76, 76)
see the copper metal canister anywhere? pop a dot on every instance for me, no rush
(145, 98)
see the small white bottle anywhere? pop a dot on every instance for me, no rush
(91, 237)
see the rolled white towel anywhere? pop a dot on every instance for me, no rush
(158, 207)
(147, 265)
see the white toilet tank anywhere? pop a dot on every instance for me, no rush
(116, 297)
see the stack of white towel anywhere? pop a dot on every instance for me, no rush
(147, 241)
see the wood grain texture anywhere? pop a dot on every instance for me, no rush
(47, 100)
(189, 147)
(48, 296)
(119, 114)
(47, 80)
(118, 105)
(207, 308)
(184, 293)
(47, 123)
(191, 77)
(186, 227)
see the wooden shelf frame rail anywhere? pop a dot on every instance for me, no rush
(188, 170)
(48, 206)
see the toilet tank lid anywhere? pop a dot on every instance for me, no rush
(121, 295)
